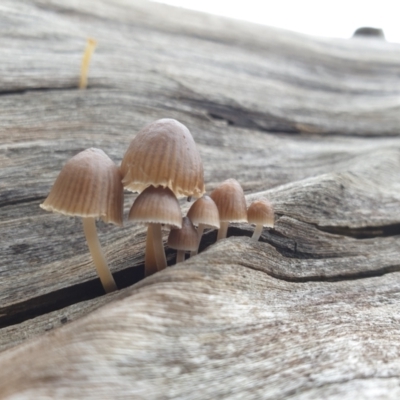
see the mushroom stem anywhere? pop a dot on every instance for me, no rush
(257, 232)
(223, 230)
(87, 55)
(150, 262)
(107, 280)
(200, 230)
(158, 246)
(180, 256)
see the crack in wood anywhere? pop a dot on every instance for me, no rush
(368, 232)
(20, 91)
(240, 117)
(65, 297)
(337, 278)
(209, 239)
(22, 201)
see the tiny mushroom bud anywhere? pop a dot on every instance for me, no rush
(184, 239)
(154, 207)
(204, 214)
(231, 203)
(260, 213)
(90, 186)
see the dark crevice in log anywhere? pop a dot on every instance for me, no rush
(263, 122)
(20, 91)
(62, 298)
(210, 237)
(367, 232)
(286, 246)
(33, 89)
(337, 278)
(22, 201)
(243, 118)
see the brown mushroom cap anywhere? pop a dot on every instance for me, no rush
(261, 212)
(164, 154)
(89, 185)
(204, 211)
(157, 205)
(185, 238)
(230, 200)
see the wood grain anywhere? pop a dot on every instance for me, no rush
(312, 124)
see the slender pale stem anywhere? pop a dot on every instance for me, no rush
(180, 256)
(87, 55)
(107, 280)
(150, 263)
(223, 230)
(159, 253)
(200, 230)
(257, 232)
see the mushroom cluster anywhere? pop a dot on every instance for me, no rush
(162, 164)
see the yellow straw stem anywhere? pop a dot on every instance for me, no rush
(87, 55)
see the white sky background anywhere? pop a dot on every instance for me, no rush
(319, 18)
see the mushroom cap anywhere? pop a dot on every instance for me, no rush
(164, 154)
(261, 212)
(185, 238)
(158, 206)
(230, 200)
(204, 211)
(89, 185)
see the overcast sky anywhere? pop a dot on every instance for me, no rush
(338, 18)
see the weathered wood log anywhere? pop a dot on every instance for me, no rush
(312, 124)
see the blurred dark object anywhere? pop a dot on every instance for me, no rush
(368, 32)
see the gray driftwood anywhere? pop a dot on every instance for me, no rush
(310, 311)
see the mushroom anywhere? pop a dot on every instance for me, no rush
(231, 203)
(164, 154)
(260, 213)
(156, 206)
(184, 239)
(89, 186)
(204, 214)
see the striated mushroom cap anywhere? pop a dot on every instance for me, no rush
(164, 154)
(89, 185)
(185, 238)
(261, 212)
(156, 205)
(204, 211)
(230, 200)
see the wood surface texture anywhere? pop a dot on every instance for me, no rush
(310, 311)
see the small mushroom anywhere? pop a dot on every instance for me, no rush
(231, 203)
(260, 213)
(204, 214)
(164, 154)
(154, 207)
(184, 239)
(89, 186)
